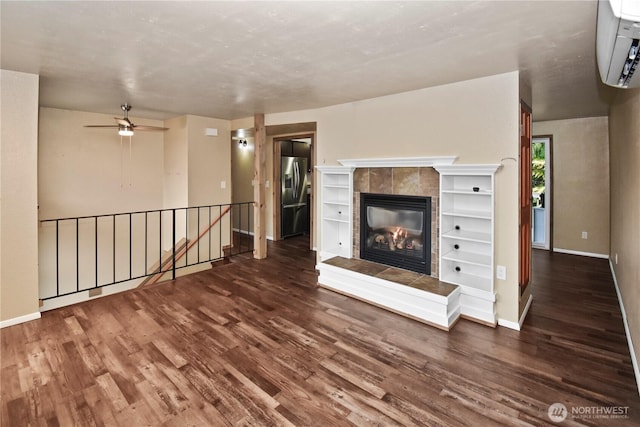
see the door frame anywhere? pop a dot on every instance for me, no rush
(548, 177)
(275, 188)
(524, 199)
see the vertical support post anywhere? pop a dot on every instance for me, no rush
(259, 195)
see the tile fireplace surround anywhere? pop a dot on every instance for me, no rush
(406, 181)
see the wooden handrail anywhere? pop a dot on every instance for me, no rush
(183, 250)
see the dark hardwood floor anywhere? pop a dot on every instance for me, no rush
(258, 343)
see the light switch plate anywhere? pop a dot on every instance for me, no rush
(501, 272)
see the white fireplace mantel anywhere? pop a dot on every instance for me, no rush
(398, 162)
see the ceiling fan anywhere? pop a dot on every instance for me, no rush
(125, 126)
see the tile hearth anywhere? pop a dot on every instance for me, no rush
(407, 293)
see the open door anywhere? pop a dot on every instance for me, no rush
(524, 275)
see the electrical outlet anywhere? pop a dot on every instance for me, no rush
(585, 235)
(501, 272)
(616, 258)
(266, 184)
(223, 184)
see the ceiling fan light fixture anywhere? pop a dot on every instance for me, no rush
(125, 131)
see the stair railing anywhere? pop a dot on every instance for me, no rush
(86, 253)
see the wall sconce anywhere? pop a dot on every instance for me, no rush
(242, 143)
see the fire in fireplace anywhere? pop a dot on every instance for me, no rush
(395, 230)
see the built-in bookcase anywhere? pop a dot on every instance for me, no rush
(336, 211)
(467, 236)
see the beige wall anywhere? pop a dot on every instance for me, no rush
(89, 171)
(18, 195)
(624, 148)
(196, 165)
(175, 164)
(477, 120)
(580, 183)
(209, 161)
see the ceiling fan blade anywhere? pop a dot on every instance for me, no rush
(125, 126)
(151, 128)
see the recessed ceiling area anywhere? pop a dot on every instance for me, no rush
(230, 60)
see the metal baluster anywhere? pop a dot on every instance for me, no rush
(95, 228)
(146, 241)
(57, 258)
(114, 247)
(173, 274)
(130, 248)
(77, 255)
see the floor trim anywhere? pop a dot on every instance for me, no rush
(634, 361)
(19, 319)
(516, 326)
(589, 254)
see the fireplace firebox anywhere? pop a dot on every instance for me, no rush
(395, 230)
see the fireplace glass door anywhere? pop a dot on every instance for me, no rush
(396, 231)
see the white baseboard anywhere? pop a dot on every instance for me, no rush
(513, 325)
(19, 319)
(634, 361)
(589, 254)
(509, 324)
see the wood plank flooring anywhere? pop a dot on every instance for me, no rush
(258, 343)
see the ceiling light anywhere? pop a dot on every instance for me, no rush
(125, 131)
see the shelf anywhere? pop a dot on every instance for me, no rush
(469, 192)
(468, 258)
(468, 280)
(468, 214)
(341, 220)
(471, 236)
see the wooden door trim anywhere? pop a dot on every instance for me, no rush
(524, 198)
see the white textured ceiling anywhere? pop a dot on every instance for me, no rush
(233, 59)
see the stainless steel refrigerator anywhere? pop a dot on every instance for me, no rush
(294, 200)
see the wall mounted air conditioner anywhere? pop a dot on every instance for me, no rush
(617, 42)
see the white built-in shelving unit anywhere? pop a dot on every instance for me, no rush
(467, 236)
(336, 211)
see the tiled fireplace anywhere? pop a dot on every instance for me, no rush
(405, 181)
(461, 217)
(395, 230)
(410, 230)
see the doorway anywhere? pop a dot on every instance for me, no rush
(541, 180)
(285, 150)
